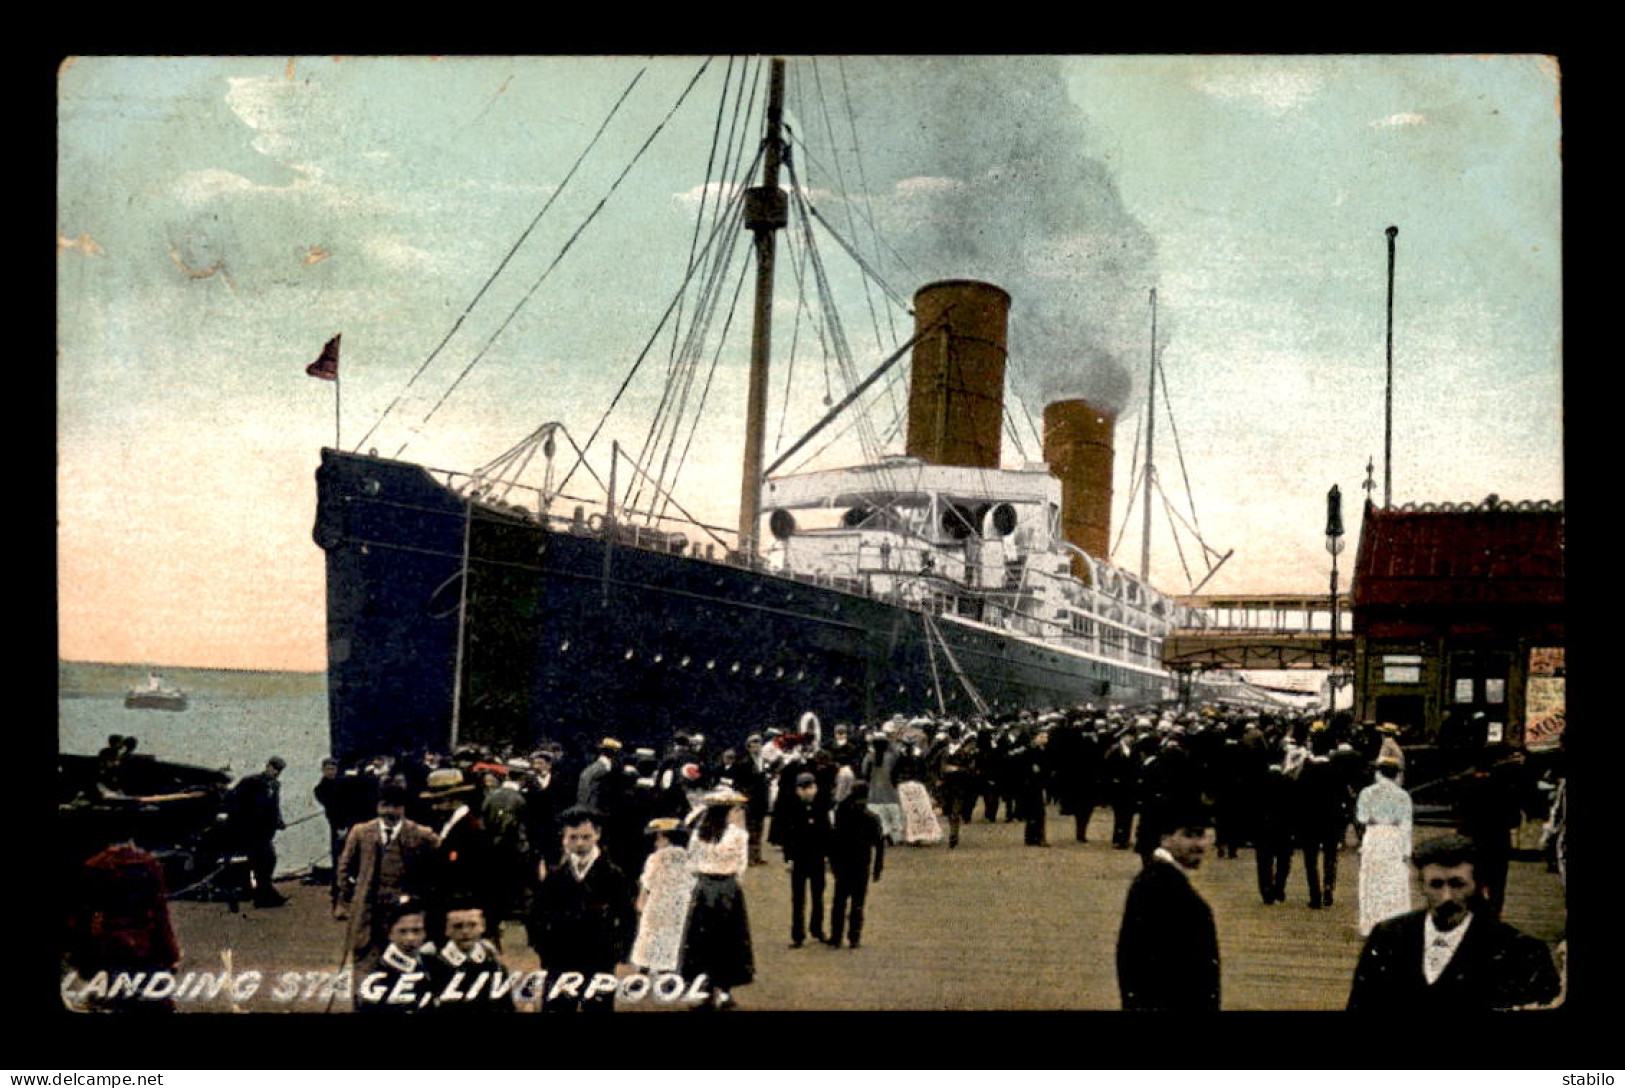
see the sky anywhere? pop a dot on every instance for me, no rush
(219, 219)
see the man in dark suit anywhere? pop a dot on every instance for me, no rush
(1319, 817)
(582, 915)
(254, 810)
(462, 861)
(1453, 955)
(750, 777)
(1031, 765)
(857, 846)
(1168, 948)
(802, 830)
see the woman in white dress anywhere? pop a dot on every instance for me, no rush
(1384, 810)
(920, 826)
(665, 896)
(718, 941)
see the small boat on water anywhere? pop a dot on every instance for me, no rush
(154, 695)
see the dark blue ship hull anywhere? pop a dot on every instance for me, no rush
(571, 637)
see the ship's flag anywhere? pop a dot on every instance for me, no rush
(326, 366)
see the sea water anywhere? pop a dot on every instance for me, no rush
(228, 724)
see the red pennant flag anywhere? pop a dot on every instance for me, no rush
(326, 366)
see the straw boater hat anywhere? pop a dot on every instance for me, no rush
(445, 783)
(1389, 728)
(609, 744)
(662, 825)
(722, 795)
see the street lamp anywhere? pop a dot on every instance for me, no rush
(1334, 545)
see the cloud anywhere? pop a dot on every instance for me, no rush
(1394, 120)
(399, 255)
(1277, 89)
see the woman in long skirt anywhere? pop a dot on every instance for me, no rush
(920, 826)
(1384, 810)
(877, 768)
(718, 941)
(665, 897)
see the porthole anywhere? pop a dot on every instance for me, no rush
(801, 674)
(630, 654)
(365, 550)
(757, 671)
(659, 658)
(837, 681)
(734, 667)
(564, 646)
(683, 664)
(711, 664)
(371, 486)
(778, 673)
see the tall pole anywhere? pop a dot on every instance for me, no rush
(1388, 394)
(765, 213)
(1150, 441)
(1334, 545)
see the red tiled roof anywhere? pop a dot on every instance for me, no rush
(1475, 555)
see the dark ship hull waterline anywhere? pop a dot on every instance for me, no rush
(570, 636)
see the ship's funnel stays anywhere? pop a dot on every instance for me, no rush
(1078, 447)
(956, 396)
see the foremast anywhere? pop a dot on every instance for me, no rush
(766, 212)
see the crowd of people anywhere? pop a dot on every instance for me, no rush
(634, 856)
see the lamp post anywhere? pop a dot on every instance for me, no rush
(1334, 545)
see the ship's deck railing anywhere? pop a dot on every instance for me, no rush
(658, 531)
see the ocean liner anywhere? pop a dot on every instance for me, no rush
(464, 607)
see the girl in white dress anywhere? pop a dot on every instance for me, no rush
(665, 896)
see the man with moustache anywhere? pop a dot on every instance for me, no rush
(1453, 955)
(383, 860)
(1168, 947)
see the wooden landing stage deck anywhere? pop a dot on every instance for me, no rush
(989, 925)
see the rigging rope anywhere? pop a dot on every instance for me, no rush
(636, 365)
(1173, 530)
(863, 178)
(667, 420)
(1189, 494)
(705, 393)
(568, 244)
(675, 359)
(508, 257)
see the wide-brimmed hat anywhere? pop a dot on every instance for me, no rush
(1388, 727)
(445, 783)
(609, 743)
(722, 795)
(662, 825)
